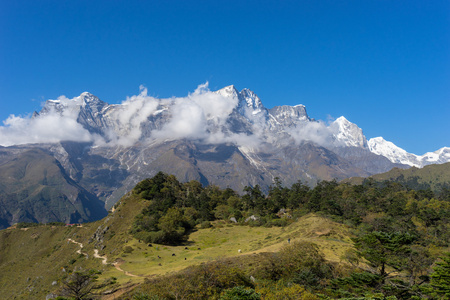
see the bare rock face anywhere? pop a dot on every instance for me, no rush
(98, 237)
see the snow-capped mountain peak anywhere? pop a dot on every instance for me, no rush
(251, 99)
(348, 133)
(395, 154)
(228, 91)
(89, 101)
(248, 102)
(437, 157)
(280, 123)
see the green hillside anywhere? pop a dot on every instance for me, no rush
(434, 177)
(167, 239)
(37, 256)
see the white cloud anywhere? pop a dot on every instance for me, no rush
(238, 139)
(213, 105)
(187, 121)
(317, 132)
(198, 116)
(49, 128)
(129, 116)
(191, 116)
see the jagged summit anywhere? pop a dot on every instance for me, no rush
(87, 94)
(290, 116)
(251, 99)
(228, 91)
(349, 133)
(246, 98)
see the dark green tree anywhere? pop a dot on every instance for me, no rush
(440, 278)
(254, 198)
(384, 249)
(82, 285)
(278, 196)
(324, 198)
(298, 195)
(173, 226)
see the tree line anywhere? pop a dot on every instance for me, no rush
(399, 232)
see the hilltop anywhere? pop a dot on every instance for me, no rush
(434, 177)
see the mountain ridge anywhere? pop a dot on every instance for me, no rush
(225, 138)
(98, 117)
(396, 154)
(434, 177)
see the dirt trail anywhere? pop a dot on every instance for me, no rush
(117, 266)
(81, 246)
(103, 258)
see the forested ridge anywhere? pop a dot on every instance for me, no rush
(400, 237)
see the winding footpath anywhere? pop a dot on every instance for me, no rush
(79, 244)
(117, 266)
(103, 258)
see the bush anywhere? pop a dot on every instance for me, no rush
(26, 224)
(299, 262)
(205, 224)
(144, 296)
(270, 290)
(207, 281)
(240, 292)
(128, 249)
(280, 222)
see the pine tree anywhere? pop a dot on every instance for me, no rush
(440, 278)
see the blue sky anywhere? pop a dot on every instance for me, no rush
(384, 65)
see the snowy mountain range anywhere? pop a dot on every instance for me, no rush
(145, 118)
(225, 138)
(395, 154)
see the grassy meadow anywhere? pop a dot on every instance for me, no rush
(34, 260)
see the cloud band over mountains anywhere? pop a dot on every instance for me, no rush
(201, 115)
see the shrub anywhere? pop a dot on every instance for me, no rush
(298, 262)
(205, 224)
(26, 224)
(206, 281)
(240, 292)
(270, 290)
(144, 296)
(280, 222)
(128, 249)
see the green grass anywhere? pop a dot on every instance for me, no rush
(214, 243)
(30, 260)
